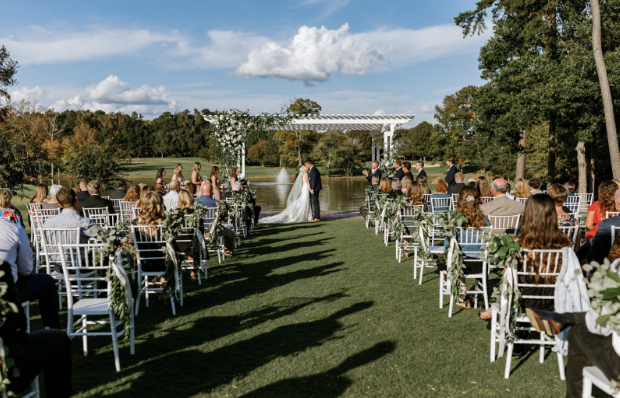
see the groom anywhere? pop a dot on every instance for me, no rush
(315, 188)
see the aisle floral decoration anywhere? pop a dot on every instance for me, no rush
(196, 220)
(116, 241)
(172, 224)
(448, 222)
(244, 199)
(386, 164)
(419, 233)
(382, 200)
(370, 196)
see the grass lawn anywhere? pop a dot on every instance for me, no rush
(309, 310)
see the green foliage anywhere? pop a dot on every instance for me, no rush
(302, 106)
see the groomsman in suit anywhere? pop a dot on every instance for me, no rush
(95, 200)
(450, 177)
(315, 188)
(399, 171)
(375, 172)
(83, 195)
(407, 170)
(419, 166)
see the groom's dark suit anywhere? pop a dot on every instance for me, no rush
(316, 186)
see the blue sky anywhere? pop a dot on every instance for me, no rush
(351, 56)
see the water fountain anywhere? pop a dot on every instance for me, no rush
(282, 177)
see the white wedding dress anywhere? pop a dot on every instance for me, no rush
(298, 206)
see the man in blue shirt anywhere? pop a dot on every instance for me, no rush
(206, 200)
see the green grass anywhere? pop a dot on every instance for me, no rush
(310, 310)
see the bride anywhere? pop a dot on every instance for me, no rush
(298, 207)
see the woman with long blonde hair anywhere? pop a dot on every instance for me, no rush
(145, 189)
(178, 173)
(215, 183)
(385, 185)
(423, 185)
(522, 190)
(40, 195)
(133, 194)
(186, 199)
(483, 187)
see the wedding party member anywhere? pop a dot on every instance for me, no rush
(423, 185)
(234, 176)
(120, 192)
(597, 212)
(215, 183)
(196, 179)
(456, 187)
(397, 188)
(501, 205)
(53, 202)
(399, 170)
(82, 193)
(375, 171)
(159, 177)
(95, 200)
(407, 170)
(8, 211)
(206, 200)
(450, 180)
(522, 190)
(534, 185)
(571, 188)
(385, 185)
(133, 194)
(315, 188)
(442, 192)
(173, 194)
(40, 194)
(178, 173)
(483, 187)
(420, 168)
(598, 246)
(298, 203)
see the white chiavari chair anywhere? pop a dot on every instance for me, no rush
(611, 214)
(197, 265)
(33, 208)
(573, 203)
(614, 231)
(594, 376)
(95, 211)
(106, 221)
(117, 205)
(572, 232)
(508, 224)
(149, 242)
(36, 223)
(440, 204)
(522, 200)
(127, 210)
(52, 239)
(171, 205)
(455, 199)
(105, 197)
(86, 268)
(486, 199)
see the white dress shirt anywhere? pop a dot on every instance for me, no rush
(15, 248)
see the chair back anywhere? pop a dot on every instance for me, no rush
(508, 224)
(586, 198)
(611, 214)
(548, 263)
(522, 200)
(135, 212)
(126, 210)
(106, 221)
(410, 211)
(427, 198)
(117, 204)
(85, 267)
(116, 262)
(53, 239)
(572, 232)
(440, 204)
(573, 203)
(33, 208)
(210, 217)
(149, 242)
(171, 205)
(469, 239)
(95, 211)
(105, 197)
(486, 199)
(455, 199)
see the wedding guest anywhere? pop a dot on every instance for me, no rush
(385, 185)
(472, 182)
(375, 182)
(375, 171)
(70, 218)
(206, 200)
(501, 205)
(423, 185)
(193, 188)
(407, 170)
(95, 200)
(159, 177)
(8, 211)
(178, 173)
(215, 183)
(120, 192)
(508, 190)
(159, 188)
(399, 171)
(456, 187)
(414, 194)
(420, 168)
(442, 192)
(598, 246)
(143, 191)
(450, 180)
(559, 193)
(534, 185)
(597, 212)
(133, 194)
(397, 188)
(53, 202)
(40, 195)
(173, 194)
(522, 190)
(483, 187)
(82, 191)
(571, 188)
(184, 241)
(406, 182)
(196, 179)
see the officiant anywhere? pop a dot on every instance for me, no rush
(375, 171)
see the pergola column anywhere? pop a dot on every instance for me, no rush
(373, 149)
(388, 136)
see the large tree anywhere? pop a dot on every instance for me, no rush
(8, 69)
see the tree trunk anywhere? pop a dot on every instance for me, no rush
(521, 156)
(582, 167)
(610, 122)
(592, 169)
(551, 158)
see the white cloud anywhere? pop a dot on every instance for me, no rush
(112, 95)
(427, 109)
(379, 112)
(35, 94)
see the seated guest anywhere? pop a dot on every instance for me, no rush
(82, 193)
(236, 188)
(397, 188)
(456, 188)
(423, 185)
(133, 195)
(407, 170)
(598, 247)
(173, 195)
(501, 205)
(559, 193)
(120, 192)
(375, 171)
(522, 190)
(385, 185)
(159, 188)
(571, 188)
(53, 202)
(40, 194)
(47, 351)
(472, 182)
(483, 187)
(95, 200)
(413, 193)
(406, 183)
(597, 212)
(15, 250)
(206, 200)
(190, 186)
(442, 192)
(184, 241)
(534, 185)
(143, 191)
(508, 189)
(70, 218)
(8, 211)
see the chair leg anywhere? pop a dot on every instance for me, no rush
(542, 349)
(117, 361)
(132, 336)
(181, 289)
(508, 360)
(441, 290)
(35, 387)
(493, 335)
(586, 391)
(451, 305)
(561, 366)
(172, 300)
(486, 294)
(84, 338)
(146, 291)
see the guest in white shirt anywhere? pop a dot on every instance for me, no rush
(173, 195)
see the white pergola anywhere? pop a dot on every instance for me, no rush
(380, 127)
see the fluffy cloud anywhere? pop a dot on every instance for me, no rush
(112, 94)
(427, 109)
(28, 94)
(379, 112)
(312, 55)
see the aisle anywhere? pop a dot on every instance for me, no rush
(320, 309)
